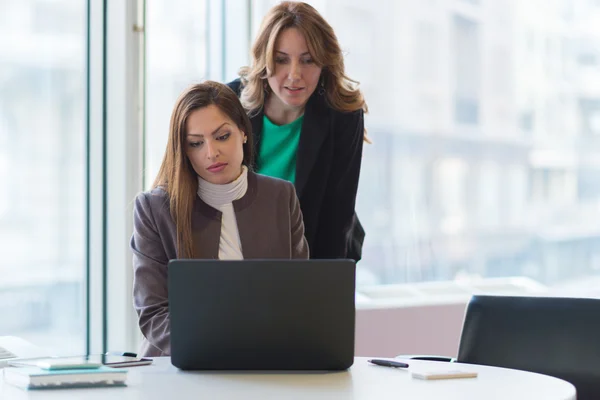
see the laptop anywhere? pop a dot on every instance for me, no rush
(262, 314)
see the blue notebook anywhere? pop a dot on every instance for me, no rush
(37, 378)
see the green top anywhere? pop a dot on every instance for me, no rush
(278, 147)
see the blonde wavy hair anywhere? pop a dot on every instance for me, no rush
(341, 92)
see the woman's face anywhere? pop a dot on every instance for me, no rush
(214, 145)
(296, 75)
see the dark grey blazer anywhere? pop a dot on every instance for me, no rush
(269, 223)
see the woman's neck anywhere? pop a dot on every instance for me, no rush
(280, 113)
(218, 195)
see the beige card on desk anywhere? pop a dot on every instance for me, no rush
(442, 374)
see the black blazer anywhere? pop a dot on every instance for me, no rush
(327, 171)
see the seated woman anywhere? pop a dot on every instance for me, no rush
(206, 203)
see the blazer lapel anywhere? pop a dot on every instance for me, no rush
(206, 230)
(315, 129)
(257, 125)
(249, 232)
(248, 229)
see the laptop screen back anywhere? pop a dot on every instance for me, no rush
(262, 314)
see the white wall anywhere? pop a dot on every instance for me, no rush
(426, 329)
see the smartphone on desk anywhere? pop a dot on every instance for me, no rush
(123, 360)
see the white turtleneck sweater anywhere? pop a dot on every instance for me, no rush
(221, 197)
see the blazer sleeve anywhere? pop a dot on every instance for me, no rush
(150, 261)
(299, 243)
(337, 213)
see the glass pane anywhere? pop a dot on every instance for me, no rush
(176, 46)
(42, 172)
(486, 128)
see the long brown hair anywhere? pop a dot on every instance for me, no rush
(176, 174)
(341, 92)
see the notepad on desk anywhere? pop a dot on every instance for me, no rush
(38, 378)
(443, 374)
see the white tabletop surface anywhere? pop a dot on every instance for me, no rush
(362, 381)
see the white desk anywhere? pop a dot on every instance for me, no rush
(162, 381)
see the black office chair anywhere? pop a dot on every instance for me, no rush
(553, 336)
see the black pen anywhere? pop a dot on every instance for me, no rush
(388, 363)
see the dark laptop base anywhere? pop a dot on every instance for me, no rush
(262, 314)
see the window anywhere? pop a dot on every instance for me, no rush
(186, 42)
(42, 172)
(426, 52)
(466, 63)
(437, 201)
(526, 120)
(176, 50)
(590, 115)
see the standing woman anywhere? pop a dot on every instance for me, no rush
(308, 121)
